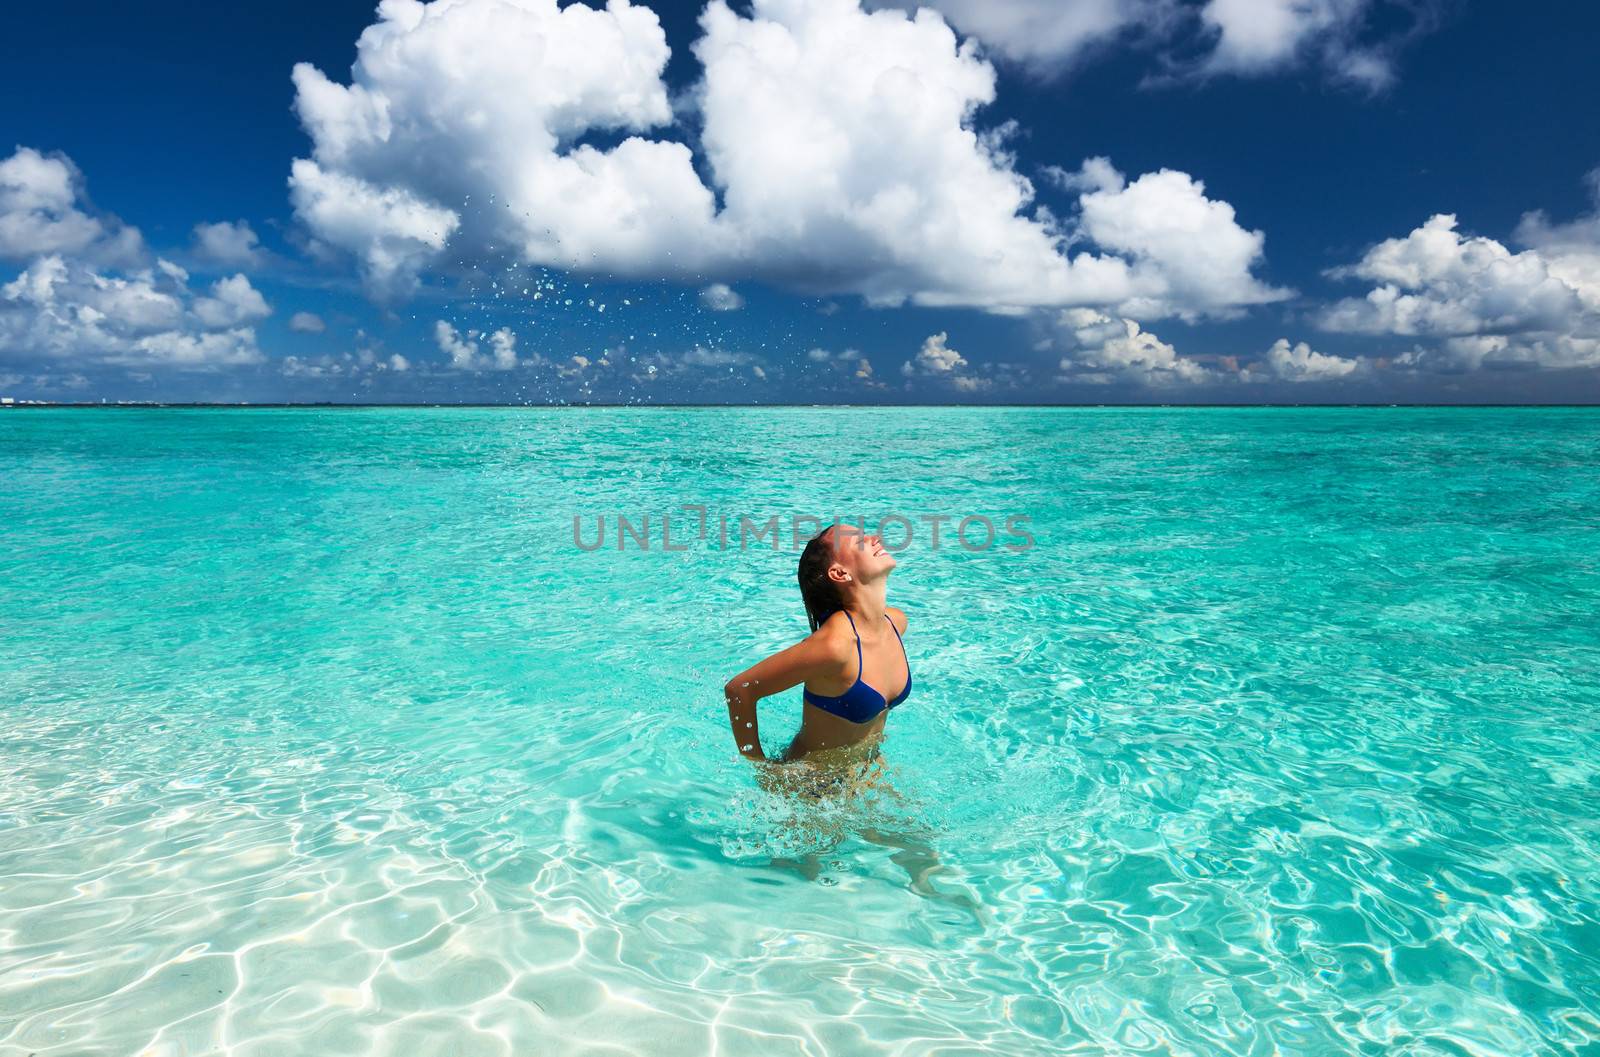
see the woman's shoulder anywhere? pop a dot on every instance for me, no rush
(835, 639)
(898, 616)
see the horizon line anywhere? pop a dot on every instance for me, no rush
(113, 405)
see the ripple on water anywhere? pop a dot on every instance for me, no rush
(322, 738)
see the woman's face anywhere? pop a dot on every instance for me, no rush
(859, 556)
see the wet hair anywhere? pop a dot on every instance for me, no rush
(820, 594)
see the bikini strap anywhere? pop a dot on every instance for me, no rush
(857, 634)
(902, 642)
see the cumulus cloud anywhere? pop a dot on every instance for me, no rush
(61, 310)
(190, 351)
(1300, 363)
(90, 296)
(391, 230)
(841, 143)
(1189, 256)
(307, 323)
(1347, 38)
(720, 297)
(1105, 349)
(41, 213)
(852, 363)
(1095, 174)
(362, 365)
(1500, 351)
(232, 301)
(936, 356)
(1049, 35)
(937, 360)
(1435, 282)
(466, 353)
(1482, 302)
(462, 115)
(1571, 251)
(1264, 36)
(233, 245)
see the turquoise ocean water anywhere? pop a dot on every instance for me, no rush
(321, 736)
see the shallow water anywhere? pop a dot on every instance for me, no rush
(321, 736)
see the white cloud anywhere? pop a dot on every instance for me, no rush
(1481, 301)
(1095, 174)
(842, 143)
(307, 323)
(357, 365)
(40, 214)
(232, 301)
(190, 351)
(234, 245)
(720, 297)
(462, 115)
(1047, 35)
(1435, 282)
(852, 362)
(393, 232)
(1571, 251)
(1105, 349)
(66, 311)
(319, 367)
(1263, 36)
(936, 356)
(86, 297)
(1243, 37)
(1500, 351)
(1300, 363)
(936, 359)
(1189, 255)
(844, 146)
(465, 352)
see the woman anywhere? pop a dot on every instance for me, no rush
(853, 664)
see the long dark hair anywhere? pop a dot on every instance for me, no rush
(820, 594)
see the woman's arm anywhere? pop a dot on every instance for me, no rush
(818, 656)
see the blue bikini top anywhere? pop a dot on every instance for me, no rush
(861, 703)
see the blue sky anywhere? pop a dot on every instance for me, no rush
(802, 201)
